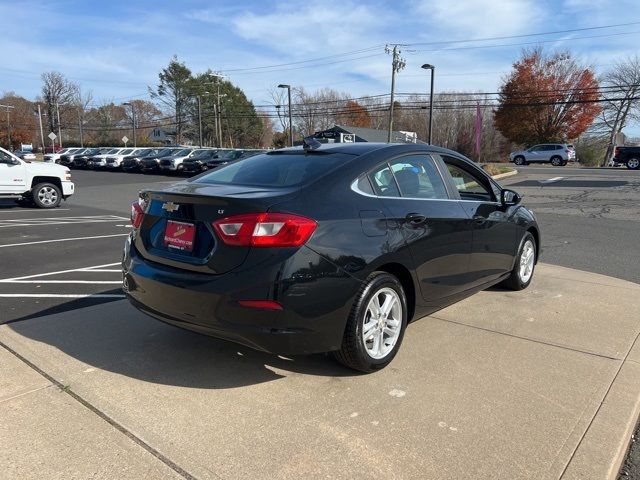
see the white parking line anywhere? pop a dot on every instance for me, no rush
(30, 222)
(104, 270)
(63, 240)
(101, 282)
(9, 280)
(21, 210)
(551, 180)
(60, 295)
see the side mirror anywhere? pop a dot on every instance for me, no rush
(508, 198)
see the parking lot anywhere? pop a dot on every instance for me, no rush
(542, 383)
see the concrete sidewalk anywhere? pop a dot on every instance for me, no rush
(541, 384)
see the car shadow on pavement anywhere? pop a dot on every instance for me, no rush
(117, 338)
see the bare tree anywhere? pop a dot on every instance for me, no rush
(620, 90)
(58, 96)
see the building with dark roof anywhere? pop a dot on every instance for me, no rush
(346, 133)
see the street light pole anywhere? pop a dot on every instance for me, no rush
(59, 130)
(133, 118)
(427, 66)
(8, 107)
(397, 64)
(41, 131)
(288, 87)
(200, 118)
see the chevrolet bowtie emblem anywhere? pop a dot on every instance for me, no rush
(170, 207)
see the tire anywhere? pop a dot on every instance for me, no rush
(556, 161)
(376, 352)
(46, 195)
(521, 278)
(633, 163)
(519, 160)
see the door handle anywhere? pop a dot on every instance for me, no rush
(415, 218)
(479, 219)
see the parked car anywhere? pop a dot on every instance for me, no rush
(629, 156)
(115, 161)
(66, 159)
(52, 157)
(26, 156)
(173, 163)
(44, 185)
(332, 248)
(152, 162)
(82, 160)
(131, 163)
(100, 161)
(557, 154)
(225, 157)
(196, 162)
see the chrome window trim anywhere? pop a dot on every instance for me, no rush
(355, 189)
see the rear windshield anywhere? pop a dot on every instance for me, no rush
(275, 169)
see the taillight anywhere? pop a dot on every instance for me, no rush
(137, 214)
(265, 230)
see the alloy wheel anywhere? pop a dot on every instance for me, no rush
(527, 261)
(47, 196)
(382, 323)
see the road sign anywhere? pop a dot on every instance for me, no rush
(125, 139)
(52, 136)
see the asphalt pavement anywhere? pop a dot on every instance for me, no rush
(546, 388)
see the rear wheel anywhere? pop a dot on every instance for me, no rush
(522, 272)
(556, 161)
(376, 325)
(519, 160)
(633, 163)
(46, 195)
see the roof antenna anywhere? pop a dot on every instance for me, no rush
(310, 143)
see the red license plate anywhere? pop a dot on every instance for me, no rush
(179, 235)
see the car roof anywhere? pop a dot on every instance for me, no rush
(361, 148)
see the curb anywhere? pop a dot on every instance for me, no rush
(505, 175)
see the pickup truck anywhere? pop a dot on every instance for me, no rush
(44, 185)
(629, 156)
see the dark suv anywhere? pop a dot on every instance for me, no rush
(629, 156)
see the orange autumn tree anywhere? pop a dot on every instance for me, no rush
(355, 115)
(546, 98)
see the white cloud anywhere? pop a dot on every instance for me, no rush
(313, 29)
(465, 19)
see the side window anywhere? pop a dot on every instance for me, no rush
(383, 182)
(469, 185)
(5, 158)
(536, 148)
(418, 177)
(364, 185)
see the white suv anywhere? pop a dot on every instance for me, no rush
(43, 184)
(557, 154)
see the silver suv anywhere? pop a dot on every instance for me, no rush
(557, 154)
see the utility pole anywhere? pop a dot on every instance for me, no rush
(133, 119)
(215, 119)
(8, 107)
(41, 131)
(428, 66)
(59, 131)
(80, 125)
(397, 64)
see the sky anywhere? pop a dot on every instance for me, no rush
(116, 48)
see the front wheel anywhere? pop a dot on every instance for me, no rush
(46, 195)
(376, 324)
(633, 163)
(525, 263)
(519, 160)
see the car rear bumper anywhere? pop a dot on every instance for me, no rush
(312, 320)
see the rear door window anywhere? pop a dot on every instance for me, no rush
(418, 177)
